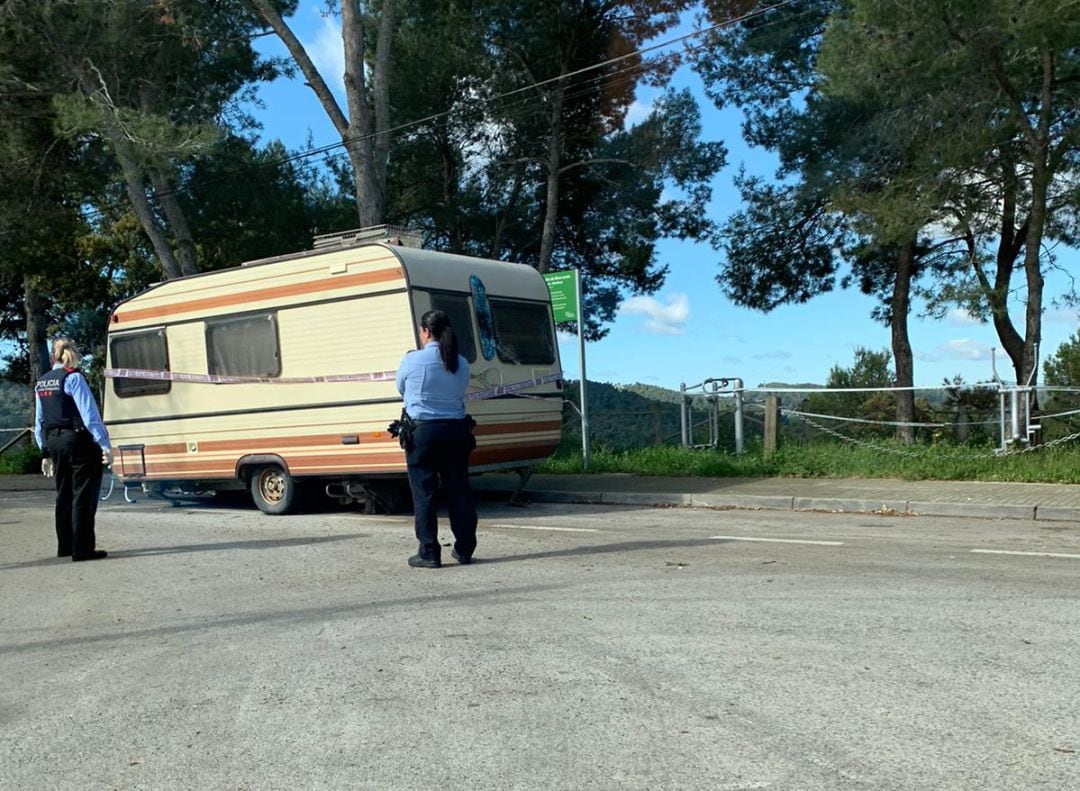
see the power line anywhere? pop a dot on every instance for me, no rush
(480, 104)
(334, 150)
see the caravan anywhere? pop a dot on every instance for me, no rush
(278, 376)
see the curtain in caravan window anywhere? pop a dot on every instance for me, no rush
(245, 346)
(456, 306)
(145, 350)
(524, 332)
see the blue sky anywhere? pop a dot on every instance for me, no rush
(688, 330)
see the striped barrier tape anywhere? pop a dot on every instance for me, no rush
(381, 376)
(512, 389)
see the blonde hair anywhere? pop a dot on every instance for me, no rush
(64, 351)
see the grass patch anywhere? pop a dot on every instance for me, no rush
(826, 460)
(24, 459)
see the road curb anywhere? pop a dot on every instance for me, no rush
(860, 506)
(1056, 513)
(831, 504)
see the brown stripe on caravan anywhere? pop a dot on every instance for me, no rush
(261, 294)
(484, 429)
(496, 455)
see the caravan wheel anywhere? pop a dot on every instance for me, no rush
(273, 490)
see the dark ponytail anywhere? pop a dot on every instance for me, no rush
(438, 324)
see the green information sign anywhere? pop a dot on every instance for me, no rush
(563, 288)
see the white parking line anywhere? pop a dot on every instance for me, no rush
(544, 527)
(781, 540)
(1030, 554)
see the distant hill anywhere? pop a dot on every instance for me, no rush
(639, 415)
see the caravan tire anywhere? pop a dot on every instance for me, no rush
(274, 490)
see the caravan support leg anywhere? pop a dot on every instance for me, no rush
(524, 473)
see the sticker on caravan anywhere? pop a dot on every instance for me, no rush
(484, 319)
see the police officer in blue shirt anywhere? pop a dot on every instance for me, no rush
(433, 382)
(75, 446)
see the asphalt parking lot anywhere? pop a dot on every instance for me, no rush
(593, 646)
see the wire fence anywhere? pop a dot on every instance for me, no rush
(982, 419)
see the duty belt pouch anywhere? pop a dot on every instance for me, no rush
(471, 423)
(403, 428)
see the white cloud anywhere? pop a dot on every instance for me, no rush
(958, 349)
(636, 113)
(961, 318)
(328, 54)
(669, 319)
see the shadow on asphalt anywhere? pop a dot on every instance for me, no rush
(303, 616)
(268, 543)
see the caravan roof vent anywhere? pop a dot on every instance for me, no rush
(390, 234)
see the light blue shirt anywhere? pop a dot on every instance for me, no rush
(75, 386)
(431, 392)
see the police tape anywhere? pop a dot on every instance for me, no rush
(222, 379)
(512, 389)
(380, 376)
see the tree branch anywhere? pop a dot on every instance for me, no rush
(601, 160)
(299, 54)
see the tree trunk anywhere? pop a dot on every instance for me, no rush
(136, 189)
(380, 95)
(901, 344)
(554, 166)
(365, 132)
(358, 136)
(1010, 243)
(185, 244)
(36, 330)
(134, 179)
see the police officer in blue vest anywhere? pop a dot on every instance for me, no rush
(432, 381)
(76, 448)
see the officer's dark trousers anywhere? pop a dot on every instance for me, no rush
(78, 469)
(441, 450)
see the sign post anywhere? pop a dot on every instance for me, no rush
(565, 288)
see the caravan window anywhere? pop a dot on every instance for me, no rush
(245, 346)
(524, 331)
(145, 350)
(456, 306)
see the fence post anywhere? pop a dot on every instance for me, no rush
(682, 415)
(714, 417)
(738, 416)
(772, 425)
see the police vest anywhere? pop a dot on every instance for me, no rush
(58, 409)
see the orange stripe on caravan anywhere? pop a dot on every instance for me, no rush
(365, 438)
(352, 462)
(226, 467)
(261, 294)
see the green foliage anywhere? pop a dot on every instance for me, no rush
(22, 459)
(870, 369)
(828, 460)
(1063, 370)
(478, 181)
